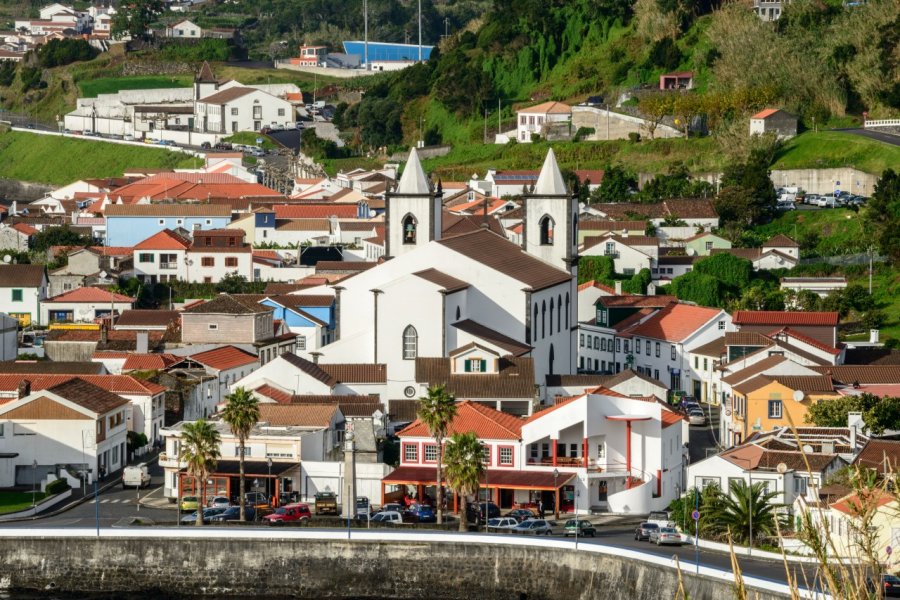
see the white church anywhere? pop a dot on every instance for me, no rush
(494, 311)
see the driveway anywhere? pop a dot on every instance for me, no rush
(888, 138)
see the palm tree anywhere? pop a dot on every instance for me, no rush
(746, 505)
(436, 411)
(465, 466)
(242, 414)
(200, 450)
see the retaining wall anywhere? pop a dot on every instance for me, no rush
(325, 564)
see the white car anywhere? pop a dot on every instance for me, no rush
(501, 523)
(388, 516)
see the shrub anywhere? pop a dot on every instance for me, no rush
(57, 486)
(583, 132)
(698, 287)
(56, 53)
(634, 136)
(727, 268)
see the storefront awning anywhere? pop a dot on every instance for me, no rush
(496, 478)
(252, 468)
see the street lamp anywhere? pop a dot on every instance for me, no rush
(33, 484)
(269, 464)
(556, 492)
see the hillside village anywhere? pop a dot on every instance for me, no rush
(617, 344)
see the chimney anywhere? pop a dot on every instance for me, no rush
(24, 388)
(104, 334)
(618, 288)
(873, 336)
(315, 357)
(143, 343)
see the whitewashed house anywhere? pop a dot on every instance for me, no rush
(241, 109)
(22, 289)
(84, 305)
(548, 120)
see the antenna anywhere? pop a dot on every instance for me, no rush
(103, 274)
(798, 395)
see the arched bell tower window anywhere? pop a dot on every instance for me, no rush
(410, 343)
(409, 229)
(546, 224)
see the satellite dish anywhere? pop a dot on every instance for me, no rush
(808, 449)
(798, 395)
(7, 258)
(781, 468)
(103, 274)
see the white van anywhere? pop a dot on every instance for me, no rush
(827, 201)
(136, 476)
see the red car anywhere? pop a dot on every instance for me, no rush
(289, 512)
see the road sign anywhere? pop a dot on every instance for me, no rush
(695, 515)
(889, 550)
(259, 140)
(837, 191)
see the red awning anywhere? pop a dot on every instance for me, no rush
(496, 478)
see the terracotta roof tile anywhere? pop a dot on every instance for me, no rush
(780, 241)
(471, 417)
(88, 395)
(147, 318)
(90, 294)
(816, 384)
(167, 210)
(632, 300)
(149, 362)
(356, 373)
(862, 374)
(775, 318)
(675, 323)
(21, 275)
(753, 370)
(788, 332)
(855, 504)
(515, 378)
(513, 346)
(227, 304)
(118, 384)
(297, 415)
(314, 211)
(163, 240)
(224, 358)
(882, 455)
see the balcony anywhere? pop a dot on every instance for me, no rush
(611, 254)
(561, 461)
(169, 266)
(170, 462)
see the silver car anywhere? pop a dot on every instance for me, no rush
(696, 416)
(667, 536)
(501, 523)
(537, 527)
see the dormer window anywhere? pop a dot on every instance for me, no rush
(546, 224)
(475, 365)
(409, 229)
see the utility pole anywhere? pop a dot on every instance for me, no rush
(485, 125)
(499, 123)
(420, 30)
(366, 31)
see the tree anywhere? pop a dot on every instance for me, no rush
(746, 505)
(878, 413)
(747, 195)
(703, 289)
(655, 107)
(134, 19)
(58, 236)
(464, 459)
(617, 185)
(437, 410)
(241, 413)
(200, 451)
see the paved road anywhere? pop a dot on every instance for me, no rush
(887, 138)
(703, 441)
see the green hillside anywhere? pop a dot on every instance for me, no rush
(59, 161)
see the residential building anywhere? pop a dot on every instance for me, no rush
(84, 305)
(769, 10)
(681, 80)
(228, 364)
(629, 254)
(773, 120)
(702, 244)
(184, 29)
(16, 236)
(549, 120)
(310, 316)
(695, 212)
(820, 326)
(130, 224)
(147, 320)
(90, 266)
(588, 294)
(162, 258)
(226, 320)
(71, 425)
(295, 375)
(239, 109)
(820, 286)
(628, 382)
(217, 253)
(22, 289)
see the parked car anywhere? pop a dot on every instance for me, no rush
(422, 513)
(392, 506)
(128, 137)
(521, 514)
(687, 403)
(233, 513)
(501, 523)
(220, 501)
(890, 584)
(223, 146)
(391, 517)
(277, 127)
(642, 532)
(696, 416)
(256, 499)
(579, 527)
(208, 513)
(136, 476)
(265, 130)
(326, 503)
(363, 508)
(662, 518)
(289, 512)
(189, 503)
(786, 205)
(668, 536)
(206, 145)
(476, 510)
(827, 201)
(536, 527)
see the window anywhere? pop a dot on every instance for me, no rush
(637, 346)
(590, 342)
(709, 245)
(280, 112)
(721, 325)
(705, 364)
(1, 430)
(800, 484)
(410, 453)
(581, 340)
(657, 349)
(486, 454)
(581, 363)
(656, 374)
(603, 344)
(610, 249)
(596, 342)
(475, 365)
(774, 409)
(601, 450)
(618, 344)
(231, 261)
(672, 348)
(248, 451)
(546, 225)
(162, 221)
(628, 272)
(146, 258)
(627, 346)
(705, 482)
(430, 453)
(506, 456)
(17, 295)
(208, 261)
(696, 362)
(410, 343)
(209, 221)
(212, 326)
(234, 111)
(409, 229)
(301, 342)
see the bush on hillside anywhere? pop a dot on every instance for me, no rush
(7, 72)
(57, 53)
(698, 287)
(727, 268)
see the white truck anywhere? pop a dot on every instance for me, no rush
(136, 476)
(661, 518)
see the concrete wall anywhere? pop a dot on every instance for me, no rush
(323, 564)
(824, 181)
(610, 125)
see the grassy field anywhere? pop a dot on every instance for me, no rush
(56, 160)
(91, 88)
(16, 501)
(829, 149)
(827, 231)
(248, 138)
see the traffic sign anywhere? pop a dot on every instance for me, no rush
(695, 515)
(259, 140)
(889, 550)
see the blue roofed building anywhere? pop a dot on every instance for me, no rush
(387, 52)
(310, 316)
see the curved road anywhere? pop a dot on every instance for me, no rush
(887, 138)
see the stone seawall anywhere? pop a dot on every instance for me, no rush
(274, 564)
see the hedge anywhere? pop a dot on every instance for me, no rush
(56, 487)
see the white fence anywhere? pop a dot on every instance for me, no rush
(882, 123)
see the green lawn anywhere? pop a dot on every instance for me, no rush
(828, 232)
(56, 160)
(248, 138)
(15, 501)
(829, 149)
(91, 88)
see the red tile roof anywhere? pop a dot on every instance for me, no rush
(675, 322)
(274, 393)
(670, 418)
(765, 113)
(118, 384)
(773, 317)
(484, 422)
(164, 240)
(90, 294)
(24, 228)
(314, 211)
(224, 358)
(855, 504)
(149, 362)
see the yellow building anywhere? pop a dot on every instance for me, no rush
(769, 401)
